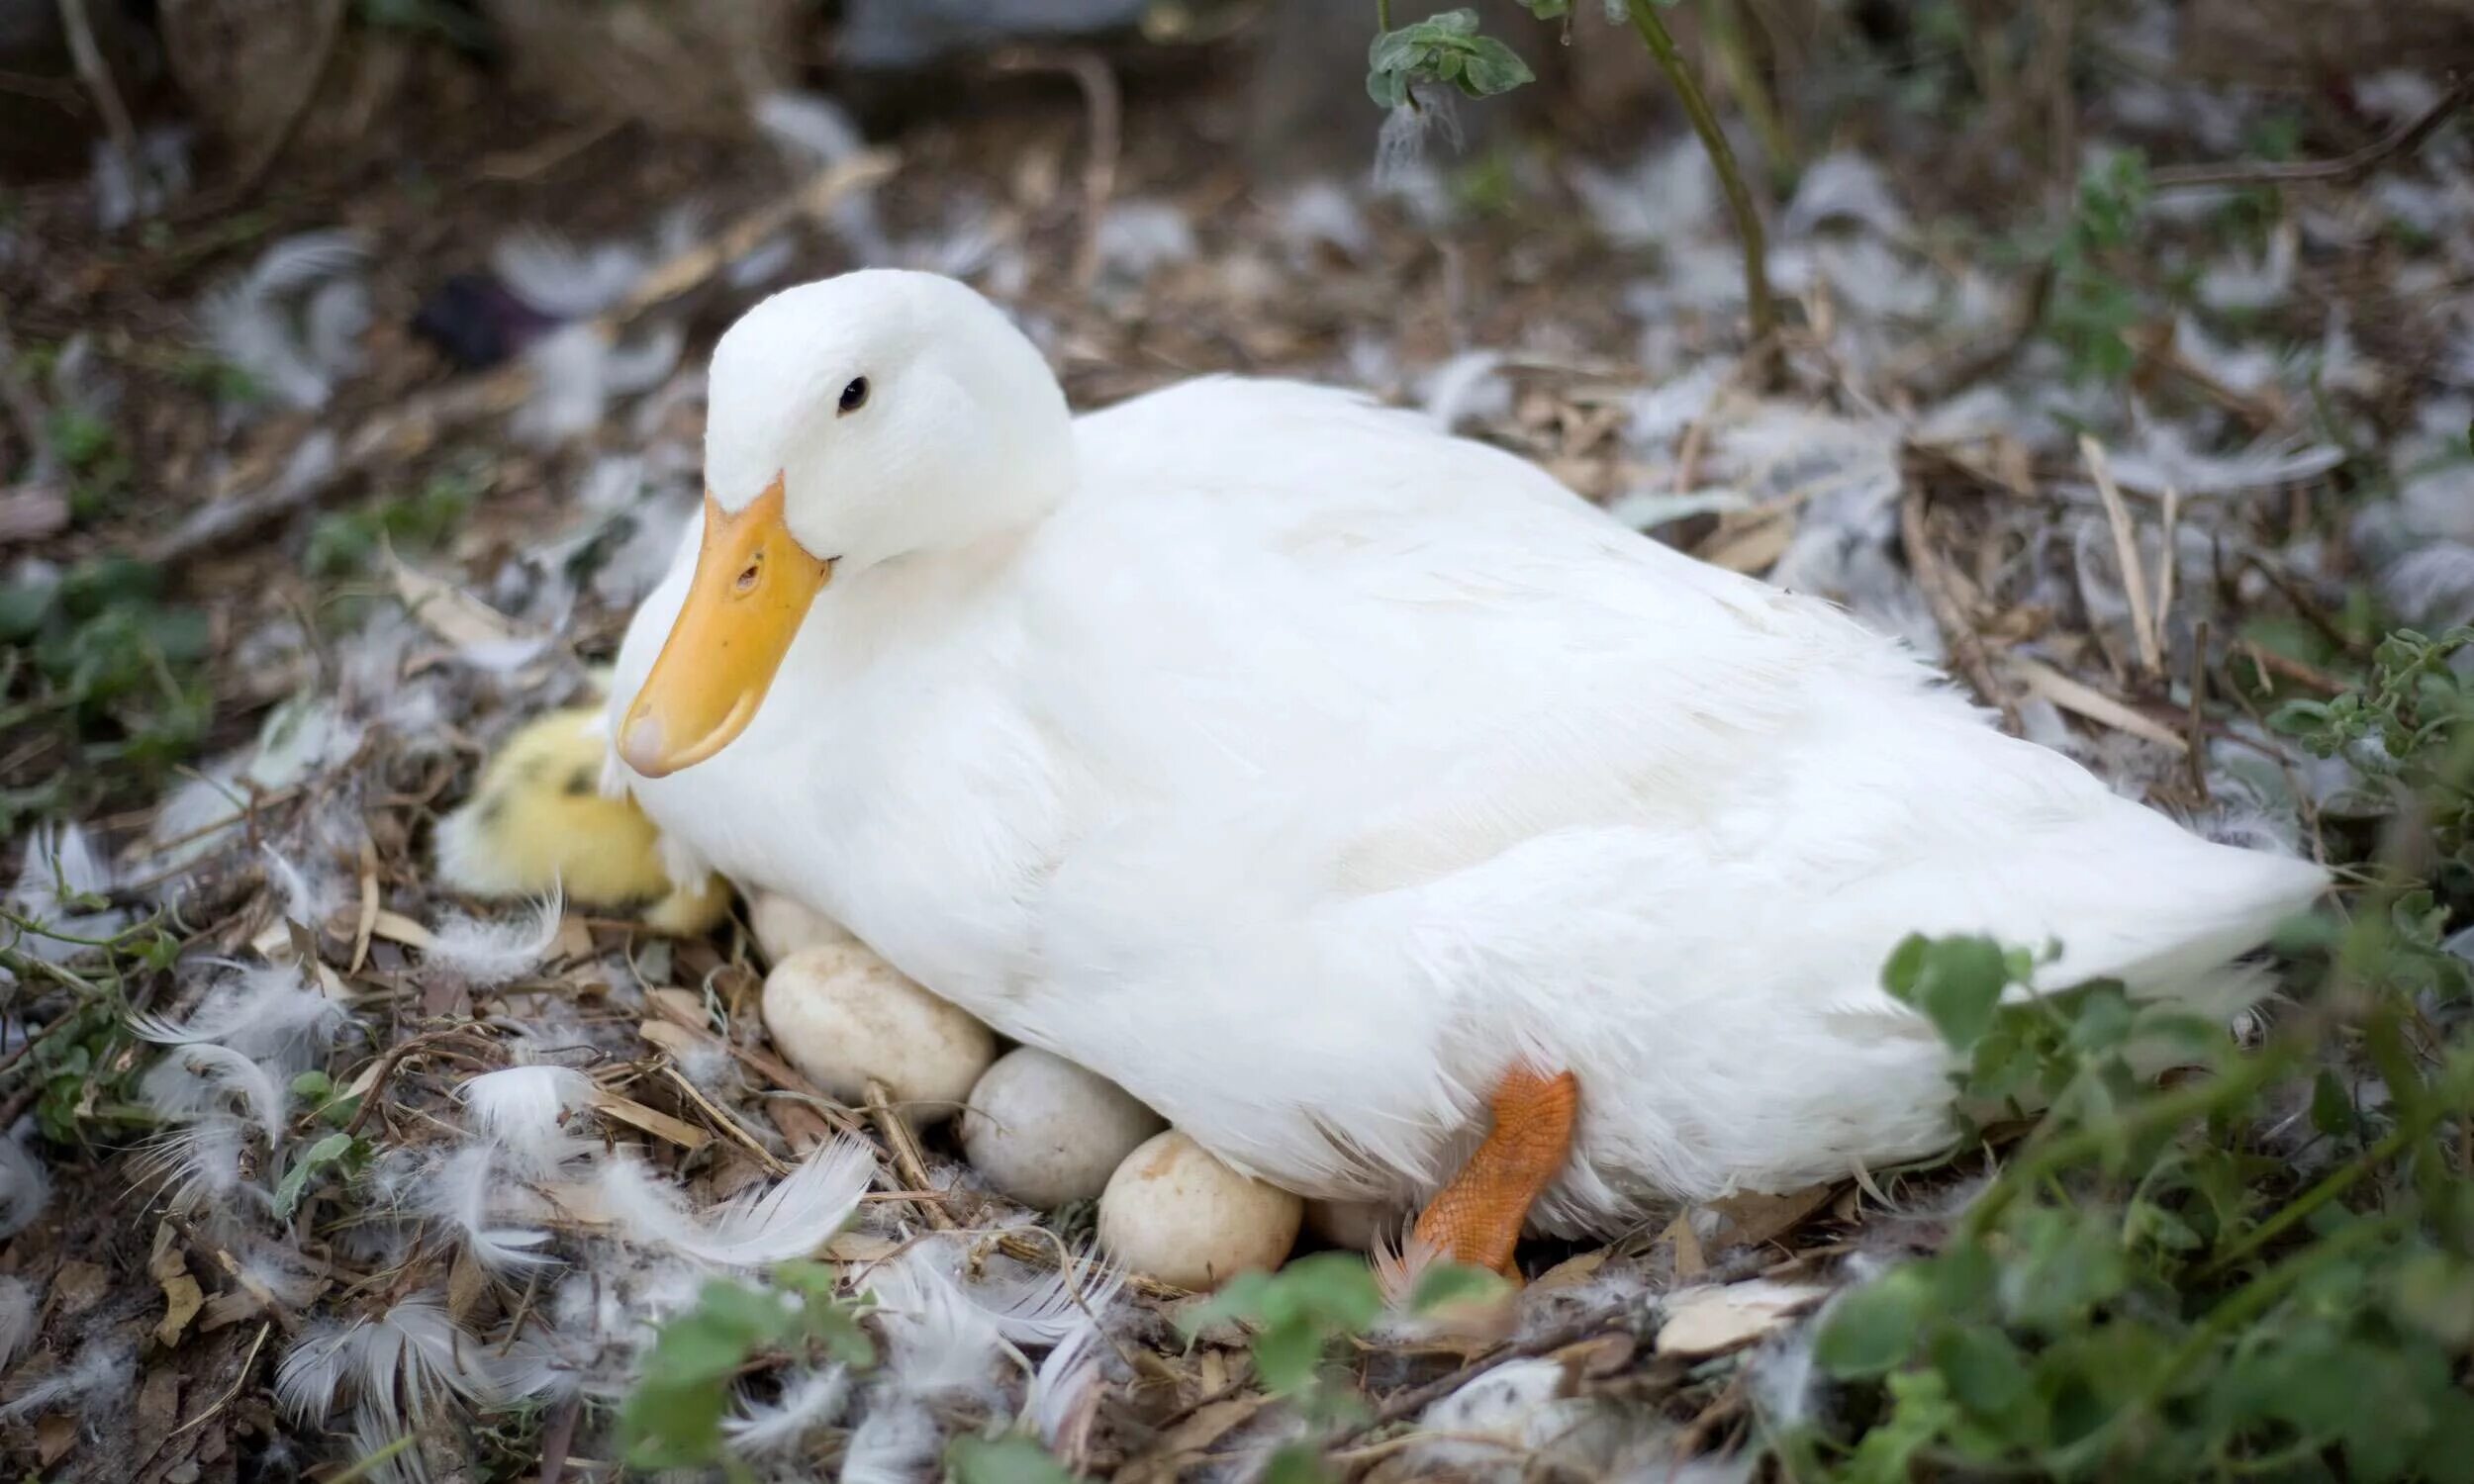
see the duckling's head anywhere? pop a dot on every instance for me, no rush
(851, 423)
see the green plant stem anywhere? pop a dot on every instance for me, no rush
(1734, 60)
(2175, 1107)
(1383, 15)
(2248, 1304)
(2452, 1090)
(23, 965)
(1763, 307)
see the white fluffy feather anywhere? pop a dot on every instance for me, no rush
(809, 1400)
(198, 1166)
(25, 1188)
(202, 1078)
(17, 1317)
(938, 1342)
(398, 1367)
(462, 1193)
(59, 866)
(791, 1218)
(269, 1013)
(1046, 1308)
(1065, 1392)
(532, 1111)
(560, 279)
(893, 1444)
(250, 322)
(2434, 585)
(482, 953)
(101, 1376)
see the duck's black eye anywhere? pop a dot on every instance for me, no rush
(855, 396)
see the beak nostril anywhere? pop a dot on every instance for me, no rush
(746, 582)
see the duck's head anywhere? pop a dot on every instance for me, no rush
(852, 422)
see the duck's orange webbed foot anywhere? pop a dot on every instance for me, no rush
(1477, 1219)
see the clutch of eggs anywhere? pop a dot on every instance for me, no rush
(1038, 1128)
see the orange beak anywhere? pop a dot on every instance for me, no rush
(752, 587)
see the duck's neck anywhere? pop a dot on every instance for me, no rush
(920, 597)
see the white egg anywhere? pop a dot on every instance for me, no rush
(1045, 1132)
(782, 927)
(844, 1017)
(1175, 1213)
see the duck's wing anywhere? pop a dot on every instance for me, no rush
(1409, 653)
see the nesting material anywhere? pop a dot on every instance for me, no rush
(1046, 1132)
(782, 927)
(1174, 1213)
(1712, 1320)
(846, 1017)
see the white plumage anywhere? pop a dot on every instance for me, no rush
(1298, 768)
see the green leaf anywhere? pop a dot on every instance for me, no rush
(1904, 970)
(2101, 1019)
(1872, 1329)
(1549, 10)
(22, 607)
(1957, 982)
(1297, 1463)
(1010, 1460)
(673, 1418)
(1448, 1283)
(326, 1151)
(313, 1087)
(1985, 1371)
(2332, 1107)
(2434, 1293)
(1492, 69)
(2296, 717)
(1287, 1353)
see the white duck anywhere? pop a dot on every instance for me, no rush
(1324, 779)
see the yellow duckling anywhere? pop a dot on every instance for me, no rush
(539, 823)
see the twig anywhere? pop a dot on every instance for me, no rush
(278, 139)
(559, 1439)
(2125, 550)
(1052, 1253)
(2198, 714)
(2268, 662)
(2342, 168)
(27, 411)
(2094, 704)
(2172, 564)
(2027, 316)
(904, 1147)
(98, 79)
(386, 1069)
(1104, 108)
(1966, 646)
(1762, 306)
(729, 1125)
(780, 1072)
(413, 429)
(247, 1364)
(1727, 1403)
(2310, 609)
